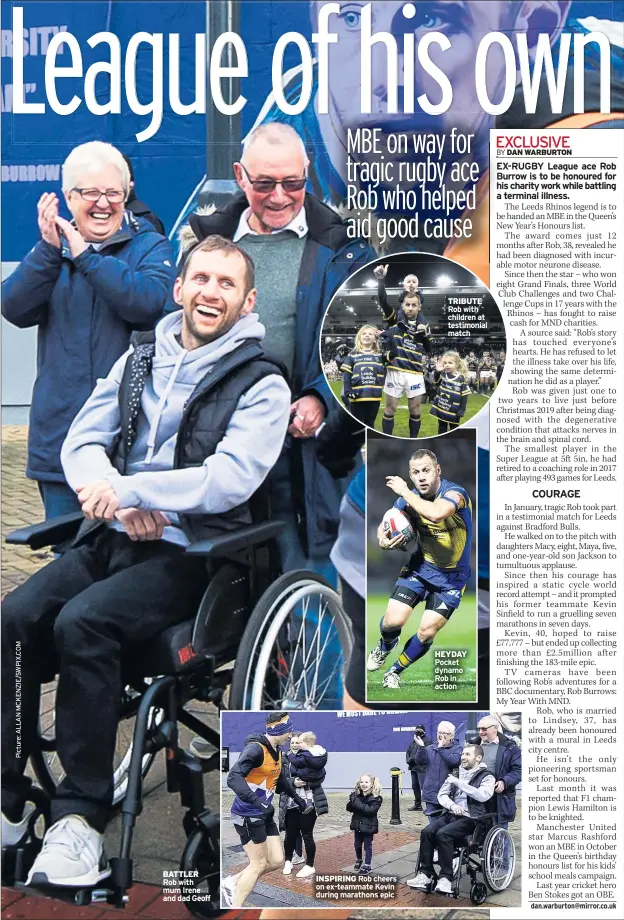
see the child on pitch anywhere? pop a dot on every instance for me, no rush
(364, 803)
(451, 399)
(363, 375)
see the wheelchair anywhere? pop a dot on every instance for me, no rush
(260, 640)
(489, 851)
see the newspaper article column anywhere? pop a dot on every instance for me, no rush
(556, 266)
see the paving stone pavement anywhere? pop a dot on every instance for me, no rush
(21, 505)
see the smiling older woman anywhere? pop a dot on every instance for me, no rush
(86, 285)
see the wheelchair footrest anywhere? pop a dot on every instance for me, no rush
(121, 872)
(17, 861)
(79, 897)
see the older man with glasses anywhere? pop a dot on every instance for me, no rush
(87, 284)
(434, 762)
(502, 757)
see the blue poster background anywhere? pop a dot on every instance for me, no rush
(348, 732)
(168, 166)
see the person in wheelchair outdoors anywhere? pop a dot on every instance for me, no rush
(167, 450)
(464, 799)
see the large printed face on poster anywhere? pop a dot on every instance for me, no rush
(464, 25)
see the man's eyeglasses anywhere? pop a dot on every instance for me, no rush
(114, 195)
(267, 185)
(485, 728)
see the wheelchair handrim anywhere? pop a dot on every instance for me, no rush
(260, 665)
(499, 838)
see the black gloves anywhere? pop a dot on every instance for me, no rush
(339, 441)
(268, 811)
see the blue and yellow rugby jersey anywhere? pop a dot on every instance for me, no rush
(444, 545)
(406, 348)
(254, 777)
(449, 403)
(487, 364)
(364, 376)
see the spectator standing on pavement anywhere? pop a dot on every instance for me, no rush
(307, 761)
(364, 803)
(87, 285)
(502, 757)
(435, 762)
(419, 735)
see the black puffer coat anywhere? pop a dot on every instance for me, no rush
(309, 765)
(364, 808)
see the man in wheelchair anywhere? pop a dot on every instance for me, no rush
(464, 799)
(168, 450)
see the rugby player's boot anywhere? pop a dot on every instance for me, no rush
(392, 680)
(377, 657)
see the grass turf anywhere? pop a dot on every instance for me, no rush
(417, 684)
(429, 425)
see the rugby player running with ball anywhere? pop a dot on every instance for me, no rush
(441, 515)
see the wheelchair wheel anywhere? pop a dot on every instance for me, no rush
(46, 763)
(499, 859)
(295, 648)
(202, 894)
(478, 893)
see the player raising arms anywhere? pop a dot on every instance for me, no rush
(405, 345)
(441, 514)
(405, 342)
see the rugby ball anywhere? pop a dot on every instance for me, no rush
(395, 522)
